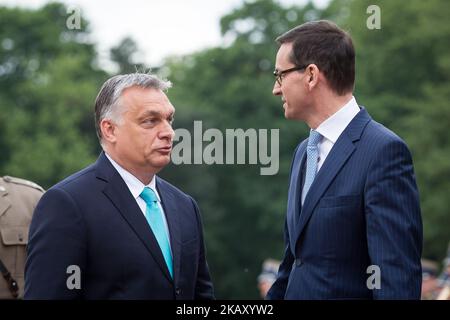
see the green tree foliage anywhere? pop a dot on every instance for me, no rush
(124, 55)
(48, 80)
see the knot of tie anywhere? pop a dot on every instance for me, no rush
(148, 195)
(314, 138)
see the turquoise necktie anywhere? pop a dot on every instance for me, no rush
(312, 155)
(156, 222)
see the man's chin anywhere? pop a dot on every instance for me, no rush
(161, 162)
(287, 112)
(292, 116)
(288, 115)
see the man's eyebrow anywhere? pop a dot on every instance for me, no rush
(157, 114)
(151, 113)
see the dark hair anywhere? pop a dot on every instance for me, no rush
(327, 46)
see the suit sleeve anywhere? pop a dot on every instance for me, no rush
(203, 287)
(278, 289)
(56, 241)
(394, 225)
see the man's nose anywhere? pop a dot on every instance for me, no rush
(167, 132)
(276, 91)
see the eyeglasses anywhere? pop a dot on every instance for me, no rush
(279, 74)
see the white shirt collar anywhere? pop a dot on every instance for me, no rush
(134, 184)
(332, 127)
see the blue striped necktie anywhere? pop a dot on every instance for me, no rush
(312, 155)
(156, 222)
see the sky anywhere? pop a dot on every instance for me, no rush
(160, 28)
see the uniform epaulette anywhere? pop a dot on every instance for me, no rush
(23, 182)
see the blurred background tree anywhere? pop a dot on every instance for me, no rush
(125, 55)
(49, 77)
(48, 80)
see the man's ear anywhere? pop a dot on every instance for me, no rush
(312, 73)
(107, 128)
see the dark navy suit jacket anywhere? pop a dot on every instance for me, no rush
(361, 210)
(91, 220)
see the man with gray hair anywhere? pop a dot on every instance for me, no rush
(115, 230)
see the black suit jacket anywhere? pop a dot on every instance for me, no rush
(92, 221)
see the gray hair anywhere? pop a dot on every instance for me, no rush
(107, 102)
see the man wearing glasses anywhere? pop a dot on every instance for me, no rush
(353, 227)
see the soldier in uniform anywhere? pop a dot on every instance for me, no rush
(18, 198)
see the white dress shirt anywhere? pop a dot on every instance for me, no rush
(332, 128)
(136, 187)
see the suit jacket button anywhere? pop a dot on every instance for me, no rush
(177, 291)
(298, 262)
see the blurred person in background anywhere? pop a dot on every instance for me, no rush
(444, 279)
(267, 276)
(429, 280)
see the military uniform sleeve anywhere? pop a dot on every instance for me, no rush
(18, 199)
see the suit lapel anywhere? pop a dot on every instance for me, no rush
(117, 192)
(333, 163)
(338, 156)
(295, 188)
(170, 209)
